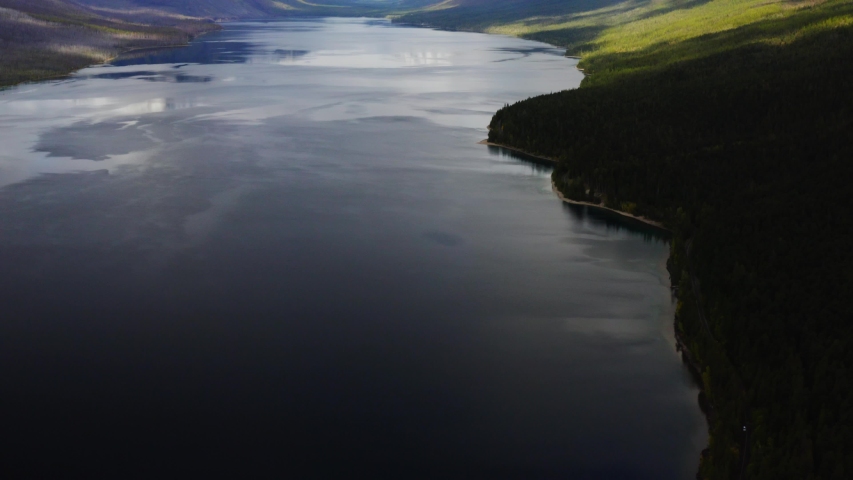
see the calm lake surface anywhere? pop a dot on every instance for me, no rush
(283, 248)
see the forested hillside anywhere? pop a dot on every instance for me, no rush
(731, 122)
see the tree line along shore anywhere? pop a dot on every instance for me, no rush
(738, 140)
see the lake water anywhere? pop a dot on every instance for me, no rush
(282, 249)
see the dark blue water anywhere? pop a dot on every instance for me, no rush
(281, 252)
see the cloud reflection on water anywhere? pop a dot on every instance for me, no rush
(284, 245)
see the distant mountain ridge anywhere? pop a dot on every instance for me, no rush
(48, 38)
(214, 9)
(233, 9)
(42, 39)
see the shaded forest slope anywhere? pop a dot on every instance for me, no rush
(731, 122)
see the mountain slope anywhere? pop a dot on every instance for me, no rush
(552, 21)
(232, 9)
(730, 121)
(49, 38)
(195, 8)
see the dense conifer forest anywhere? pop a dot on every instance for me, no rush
(740, 141)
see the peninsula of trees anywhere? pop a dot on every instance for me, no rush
(731, 121)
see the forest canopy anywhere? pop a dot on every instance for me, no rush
(730, 122)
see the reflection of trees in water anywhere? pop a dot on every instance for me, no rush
(283, 55)
(612, 221)
(539, 165)
(527, 51)
(153, 76)
(584, 213)
(204, 52)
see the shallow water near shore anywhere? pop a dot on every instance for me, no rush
(282, 247)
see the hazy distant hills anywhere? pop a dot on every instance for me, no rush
(197, 8)
(260, 8)
(48, 38)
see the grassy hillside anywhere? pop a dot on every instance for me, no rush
(231, 9)
(559, 22)
(730, 121)
(42, 39)
(48, 38)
